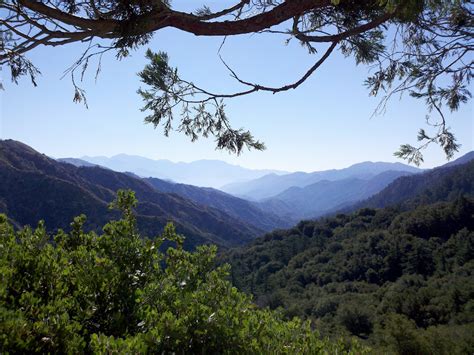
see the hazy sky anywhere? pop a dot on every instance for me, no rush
(323, 124)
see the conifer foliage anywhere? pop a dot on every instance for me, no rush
(419, 47)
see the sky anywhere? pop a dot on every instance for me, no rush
(325, 123)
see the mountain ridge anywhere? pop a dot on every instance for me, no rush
(426, 187)
(271, 185)
(239, 208)
(314, 200)
(194, 173)
(36, 187)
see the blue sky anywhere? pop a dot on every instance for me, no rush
(326, 123)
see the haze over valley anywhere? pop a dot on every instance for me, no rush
(291, 196)
(206, 173)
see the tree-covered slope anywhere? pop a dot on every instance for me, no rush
(398, 279)
(36, 187)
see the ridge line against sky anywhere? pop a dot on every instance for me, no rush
(91, 158)
(324, 124)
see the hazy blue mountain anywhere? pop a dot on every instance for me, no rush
(280, 208)
(208, 173)
(244, 210)
(317, 199)
(34, 186)
(272, 184)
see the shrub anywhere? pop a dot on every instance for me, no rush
(119, 293)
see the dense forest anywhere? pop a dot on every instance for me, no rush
(399, 280)
(117, 293)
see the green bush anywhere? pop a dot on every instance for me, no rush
(119, 293)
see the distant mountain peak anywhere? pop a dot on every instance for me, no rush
(271, 184)
(443, 183)
(384, 166)
(205, 172)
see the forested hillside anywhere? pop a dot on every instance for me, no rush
(397, 278)
(319, 246)
(400, 279)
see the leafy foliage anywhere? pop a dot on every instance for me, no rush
(430, 61)
(117, 292)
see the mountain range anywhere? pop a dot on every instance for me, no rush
(285, 197)
(302, 195)
(401, 272)
(247, 211)
(317, 199)
(207, 173)
(272, 184)
(36, 187)
(239, 208)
